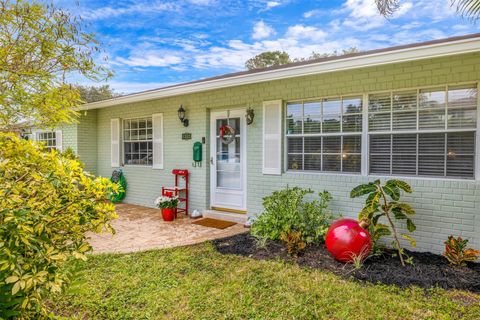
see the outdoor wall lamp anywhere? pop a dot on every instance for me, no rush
(181, 116)
(249, 116)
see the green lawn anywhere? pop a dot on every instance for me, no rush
(198, 283)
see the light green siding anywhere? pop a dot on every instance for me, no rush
(69, 136)
(87, 140)
(82, 138)
(444, 207)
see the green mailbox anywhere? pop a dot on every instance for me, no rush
(197, 154)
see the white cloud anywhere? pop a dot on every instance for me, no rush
(138, 8)
(299, 41)
(149, 59)
(202, 2)
(124, 87)
(262, 30)
(363, 15)
(362, 8)
(273, 4)
(410, 36)
(305, 32)
(312, 13)
(355, 24)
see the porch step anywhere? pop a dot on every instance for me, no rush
(227, 216)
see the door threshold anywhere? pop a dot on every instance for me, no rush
(229, 210)
(227, 216)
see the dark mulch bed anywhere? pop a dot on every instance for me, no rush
(429, 270)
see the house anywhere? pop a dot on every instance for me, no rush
(329, 124)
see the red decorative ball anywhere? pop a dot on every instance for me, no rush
(346, 239)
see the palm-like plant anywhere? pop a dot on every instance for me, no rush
(378, 205)
(469, 9)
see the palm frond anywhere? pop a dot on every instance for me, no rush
(469, 9)
(387, 7)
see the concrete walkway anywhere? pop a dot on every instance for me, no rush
(139, 228)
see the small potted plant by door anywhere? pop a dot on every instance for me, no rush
(168, 206)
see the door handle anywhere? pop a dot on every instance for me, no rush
(211, 161)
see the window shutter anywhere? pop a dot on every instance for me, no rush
(115, 142)
(59, 140)
(272, 137)
(157, 120)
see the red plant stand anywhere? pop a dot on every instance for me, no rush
(179, 191)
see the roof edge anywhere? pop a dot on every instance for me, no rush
(420, 51)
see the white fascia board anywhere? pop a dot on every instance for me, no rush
(362, 61)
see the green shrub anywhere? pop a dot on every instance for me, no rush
(286, 211)
(47, 205)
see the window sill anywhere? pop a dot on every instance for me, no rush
(137, 166)
(372, 176)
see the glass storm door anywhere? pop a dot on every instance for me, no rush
(227, 161)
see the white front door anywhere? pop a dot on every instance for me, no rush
(228, 161)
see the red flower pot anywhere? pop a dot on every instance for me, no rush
(346, 240)
(168, 214)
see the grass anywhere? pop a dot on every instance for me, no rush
(197, 282)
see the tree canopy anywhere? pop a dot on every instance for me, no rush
(277, 58)
(267, 59)
(41, 46)
(95, 93)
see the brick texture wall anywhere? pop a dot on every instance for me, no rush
(443, 207)
(82, 138)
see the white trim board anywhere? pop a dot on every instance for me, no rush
(420, 52)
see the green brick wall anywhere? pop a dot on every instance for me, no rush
(69, 136)
(444, 207)
(82, 138)
(87, 140)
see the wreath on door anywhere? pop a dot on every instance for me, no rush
(227, 134)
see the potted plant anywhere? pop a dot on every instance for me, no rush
(168, 206)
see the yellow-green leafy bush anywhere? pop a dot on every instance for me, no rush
(47, 205)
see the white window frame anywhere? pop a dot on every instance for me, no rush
(419, 131)
(477, 137)
(123, 141)
(36, 137)
(340, 134)
(365, 134)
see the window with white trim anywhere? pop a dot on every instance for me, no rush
(138, 141)
(324, 135)
(424, 132)
(49, 138)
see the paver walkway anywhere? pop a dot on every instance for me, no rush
(139, 228)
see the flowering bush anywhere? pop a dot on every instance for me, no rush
(47, 205)
(165, 202)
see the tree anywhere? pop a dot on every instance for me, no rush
(40, 47)
(276, 58)
(316, 55)
(268, 59)
(93, 93)
(48, 204)
(467, 8)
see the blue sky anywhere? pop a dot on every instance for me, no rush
(151, 44)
